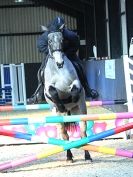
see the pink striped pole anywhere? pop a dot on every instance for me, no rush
(61, 119)
(47, 106)
(67, 146)
(38, 139)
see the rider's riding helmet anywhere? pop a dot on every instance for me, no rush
(58, 24)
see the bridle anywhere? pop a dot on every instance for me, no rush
(52, 41)
(55, 41)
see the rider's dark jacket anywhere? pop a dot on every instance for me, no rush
(71, 43)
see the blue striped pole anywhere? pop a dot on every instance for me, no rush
(47, 106)
(39, 139)
(65, 147)
(61, 119)
(25, 107)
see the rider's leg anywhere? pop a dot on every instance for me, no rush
(82, 76)
(38, 94)
(89, 92)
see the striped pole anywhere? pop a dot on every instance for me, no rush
(106, 102)
(38, 139)
(58, 149)
(101, 149)
(25, 107)
(71, 118)
(47, 106)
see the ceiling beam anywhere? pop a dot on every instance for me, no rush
(89, 2)
(71, 4)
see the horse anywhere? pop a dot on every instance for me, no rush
(62, 87)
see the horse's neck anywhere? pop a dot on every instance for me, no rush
(67, 67)
(68, 71)
(64, 78)
(51, 64)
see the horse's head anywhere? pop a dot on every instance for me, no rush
(55, 40)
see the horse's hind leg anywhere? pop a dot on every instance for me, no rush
(83, 134)
(66, 137)
(82, 126)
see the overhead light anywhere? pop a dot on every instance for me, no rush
(19, 1)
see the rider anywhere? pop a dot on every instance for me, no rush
(71, 45)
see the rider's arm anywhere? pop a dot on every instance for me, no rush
(73, 40)
(42, 43)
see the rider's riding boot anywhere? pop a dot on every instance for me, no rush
(81, 74)
(89, 92)
(38, 96)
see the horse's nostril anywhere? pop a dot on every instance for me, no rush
(60, 65)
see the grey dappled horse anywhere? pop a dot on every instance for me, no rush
(63, 89)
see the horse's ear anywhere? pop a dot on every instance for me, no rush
(44, 28)
(62, 26)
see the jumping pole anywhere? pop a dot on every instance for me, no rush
(47, 106)
(61, 119)
(53, 141)
(58, 149)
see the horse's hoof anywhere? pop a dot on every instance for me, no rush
(69, 160)
(61, 108)
(75, 99)
(89, 160)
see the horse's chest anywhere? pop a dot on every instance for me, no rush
(63, 84)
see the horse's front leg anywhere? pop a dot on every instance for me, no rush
(55, 98)
(75, 91)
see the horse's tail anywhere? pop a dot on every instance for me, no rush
(71, 126)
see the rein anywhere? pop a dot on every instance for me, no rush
(57, 50)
